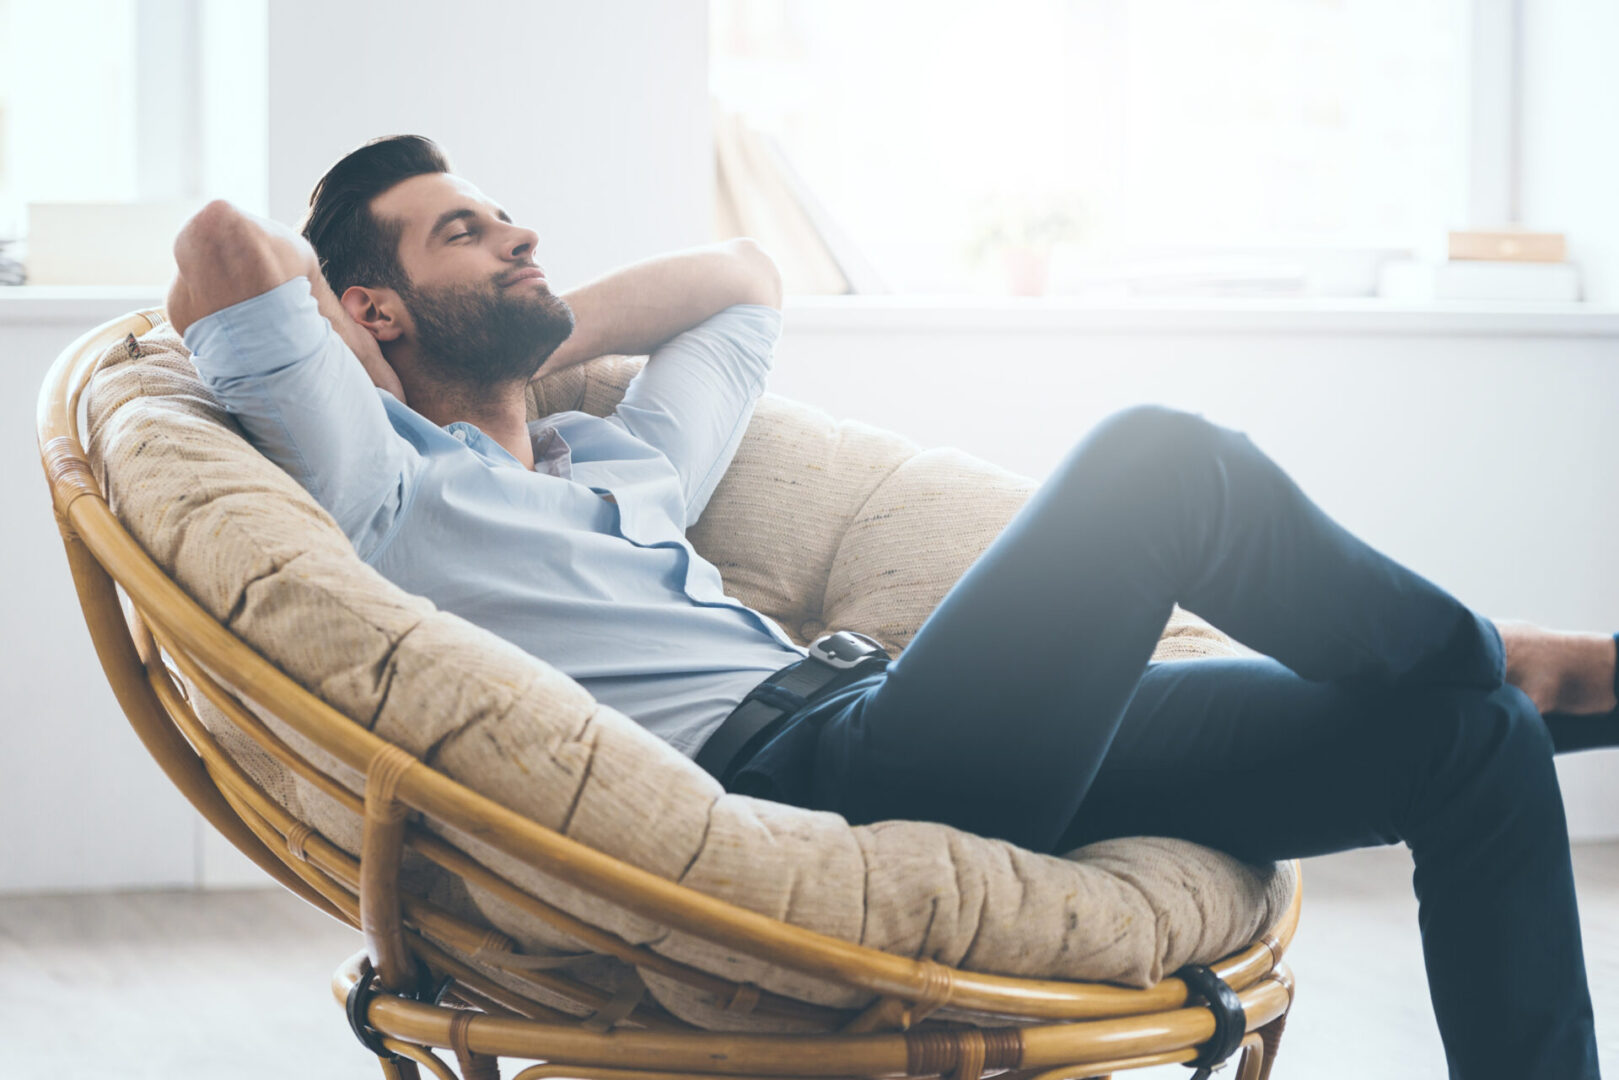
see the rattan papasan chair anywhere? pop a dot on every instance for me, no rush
(539, 878)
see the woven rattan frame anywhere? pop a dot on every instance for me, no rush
(142, 622)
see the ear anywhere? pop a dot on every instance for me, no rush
(379, 311)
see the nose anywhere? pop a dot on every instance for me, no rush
(523, 242)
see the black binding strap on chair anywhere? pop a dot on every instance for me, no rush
(364, 989)
(1230, 1021)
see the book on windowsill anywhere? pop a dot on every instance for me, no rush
(1479, 279)
(1507, 244)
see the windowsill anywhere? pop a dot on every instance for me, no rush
(78, 304)
(82, 305)
(1371, 316)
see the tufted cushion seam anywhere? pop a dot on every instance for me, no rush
(702, 843)
(430, 754)
(837, 552)
(564, 825)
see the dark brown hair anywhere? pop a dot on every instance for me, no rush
(355, 247)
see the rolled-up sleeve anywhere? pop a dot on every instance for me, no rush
(693, 399)
(307, 404)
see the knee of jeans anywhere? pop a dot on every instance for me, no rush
(1484, 752)
(1144, 441)
(1151, 425)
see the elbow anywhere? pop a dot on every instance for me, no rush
(206, 232)
(199, 248)
(225, 255)
(762, 274)
(221, 238)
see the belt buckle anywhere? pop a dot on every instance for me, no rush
(846, 650)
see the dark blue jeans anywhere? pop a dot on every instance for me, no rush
(1026, 708)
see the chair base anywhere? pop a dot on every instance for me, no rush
(411, 1031)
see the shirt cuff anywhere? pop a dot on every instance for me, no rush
(259, 334)
(745, 332)
(761, 317)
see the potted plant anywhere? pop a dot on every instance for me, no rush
(1020, 229)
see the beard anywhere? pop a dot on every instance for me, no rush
(478, 339)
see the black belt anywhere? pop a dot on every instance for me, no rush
(835, 661)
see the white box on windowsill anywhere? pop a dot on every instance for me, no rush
(1479, 279)
(90, 243)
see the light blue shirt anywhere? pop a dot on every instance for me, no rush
(583, 561)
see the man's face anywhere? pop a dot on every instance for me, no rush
(481, 310)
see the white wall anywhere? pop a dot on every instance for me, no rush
(1570, 153)
(588, 122)
(83, 804)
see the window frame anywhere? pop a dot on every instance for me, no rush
(1495, 93)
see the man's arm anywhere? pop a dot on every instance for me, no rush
(247, 301)
(693, 399)
(226, 256)
(636, 309)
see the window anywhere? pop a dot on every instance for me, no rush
(67, 131)
(944, 145)
(140, 107)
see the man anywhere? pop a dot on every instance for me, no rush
(1025, 708)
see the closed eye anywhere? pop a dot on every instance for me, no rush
(458, 236)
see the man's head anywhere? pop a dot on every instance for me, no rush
(437, 272)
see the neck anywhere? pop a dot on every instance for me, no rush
(499, 412)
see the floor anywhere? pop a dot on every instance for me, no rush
(234, 984)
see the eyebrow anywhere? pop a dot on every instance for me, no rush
(451, 216)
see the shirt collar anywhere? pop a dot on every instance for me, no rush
(552, 454)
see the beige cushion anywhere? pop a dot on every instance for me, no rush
(817, 522)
